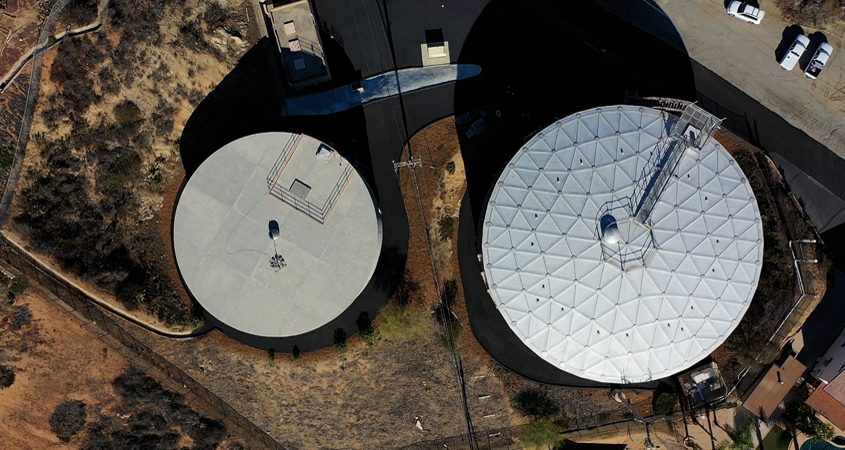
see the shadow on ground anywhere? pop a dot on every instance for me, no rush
(569, 56)
(787, 37)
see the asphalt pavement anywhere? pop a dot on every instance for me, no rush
(517, 92)
(731, 60)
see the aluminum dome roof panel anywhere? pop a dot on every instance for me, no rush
(553, 282)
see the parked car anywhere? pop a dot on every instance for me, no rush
(791, 57)
(745, 12)
(820, 59)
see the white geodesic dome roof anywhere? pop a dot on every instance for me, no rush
(579, 302)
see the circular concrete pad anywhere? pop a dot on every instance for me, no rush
(329, 234)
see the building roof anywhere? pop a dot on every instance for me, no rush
(653, 300)
(299, 41)
(328, 227)
(767, 395)
(833, 362)
(829, 401)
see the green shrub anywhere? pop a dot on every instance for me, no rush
(741, 438)
(664, 403)
(7, 376)
(401, 323)
(68, 419)
(541, 433)
(340, 340)
(117, 168)
(447, 226)
(19, 286)
(804, 418)
(127, 113)
(7, 156)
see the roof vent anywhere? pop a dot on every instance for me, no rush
(609, 230)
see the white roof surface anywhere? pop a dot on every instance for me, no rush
(574, 305)
(221, 235)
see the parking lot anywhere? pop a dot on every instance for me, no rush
(797, 120)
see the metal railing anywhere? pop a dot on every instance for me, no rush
(282, 161)
(318, 213)
(71, 296)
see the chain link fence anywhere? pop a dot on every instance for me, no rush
(508, 438)
(71, 296)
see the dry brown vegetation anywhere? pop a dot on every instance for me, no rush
(105, 143)
(71, 390)
(18, 34)
(776, 290)
(812, 12)
(441, 183)
(76, 14)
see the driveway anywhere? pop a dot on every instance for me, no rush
(800, 122)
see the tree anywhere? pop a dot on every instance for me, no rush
(541, 433)
(127, 113)
(68, 419)
(741, 438)
(7, 376)
(447, 226)
(664, 403)
(806, 421)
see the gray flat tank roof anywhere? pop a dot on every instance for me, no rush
(329, 234)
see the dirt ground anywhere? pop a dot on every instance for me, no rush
(55, 360)
(370, 395)
(443, 189)
(58, 358)
(18, 34)
(164, 79)
(783, 219)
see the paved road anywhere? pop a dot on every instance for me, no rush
(732, 60)
(378, 87)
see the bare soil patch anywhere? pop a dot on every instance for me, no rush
(105, 136)
(18, 34)
(441, 184)
(72, 390)
(55, 360)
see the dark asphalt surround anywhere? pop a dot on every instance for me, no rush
(249, 89)
(358, 37)
(518, 99)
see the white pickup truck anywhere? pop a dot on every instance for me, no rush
(820, 59)
(745, 12)
(791, 57)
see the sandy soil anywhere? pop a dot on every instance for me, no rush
(167, 76)
(56, 360)
(17, 35)
(442, 189)
(164, 220)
